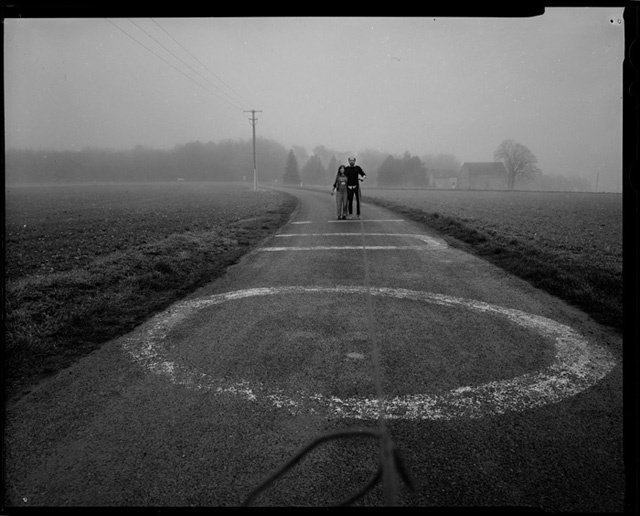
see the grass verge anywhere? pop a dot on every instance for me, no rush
(51, 320)
(595, 290)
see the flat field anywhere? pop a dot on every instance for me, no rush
(87, 263)
(57, 228)
(569, 244)
(585, 225)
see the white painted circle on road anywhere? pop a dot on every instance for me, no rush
(577, 366)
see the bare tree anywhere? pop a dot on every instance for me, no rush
(518, 161)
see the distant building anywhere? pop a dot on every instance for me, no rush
(483, 176)
(443, 178)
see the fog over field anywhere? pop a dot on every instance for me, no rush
(457, 86)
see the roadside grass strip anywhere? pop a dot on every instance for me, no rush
(578, 364)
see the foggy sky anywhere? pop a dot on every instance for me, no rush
(422, 85)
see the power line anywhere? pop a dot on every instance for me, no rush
(243, 99)
(253, 112)
(179, 59)
(232, 102)
(170, 64)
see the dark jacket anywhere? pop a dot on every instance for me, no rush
(353, 173)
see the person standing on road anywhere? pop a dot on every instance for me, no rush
(354, 173)
(340, 187)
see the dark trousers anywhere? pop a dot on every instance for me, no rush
(350, 193)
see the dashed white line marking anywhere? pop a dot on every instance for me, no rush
(349, 220)
(414, 235)
(578, 364)
(344, 247)
(433, 243)
(363, 220)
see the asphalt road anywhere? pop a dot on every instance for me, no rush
(495, 393)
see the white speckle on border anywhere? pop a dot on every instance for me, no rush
(578, 365)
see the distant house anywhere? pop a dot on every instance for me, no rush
(443, 178)
(483, 176)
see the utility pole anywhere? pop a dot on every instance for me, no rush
(253, 120)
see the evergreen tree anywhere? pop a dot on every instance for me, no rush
(405, 165)
(416, 172)
(408, 171)
(314, 172)
(387, 173)
(301, 154)
(370, 160)
(291, 172)
(322, 152)
(332, 168)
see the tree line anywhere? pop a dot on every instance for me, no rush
(232, 160)
(385, 169)
(228, 160)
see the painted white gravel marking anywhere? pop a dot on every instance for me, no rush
(345, 247)
(346, 221)
(429, 242)
(578, 364)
